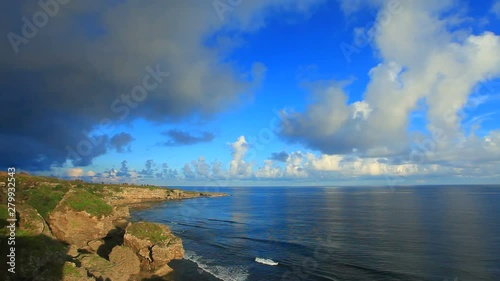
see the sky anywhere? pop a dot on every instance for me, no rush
(261, 92)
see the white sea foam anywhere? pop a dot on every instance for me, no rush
(266, 261)
(225, 273)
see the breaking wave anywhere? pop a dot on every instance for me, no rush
(266, 261)
(225, 273)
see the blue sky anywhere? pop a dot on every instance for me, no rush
(259, 93)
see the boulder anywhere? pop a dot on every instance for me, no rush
(95, 245)
(145, 253)
(102, 269)
(154, 244)
(31, 221)
(78, 227)
(73, 251)
(163, 270)
(162, 254)
(125, 259)
(122, 212)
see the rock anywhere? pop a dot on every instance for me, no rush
(73, 273)
(102, 269)
(131, 195)
(162, 254)
(31, 221)
(137, 244)
(122, 212)
(78, 227)
(73, 251)
(134, 195)
(163, 270)
(125, 259)
(153, 243)
(95, 244)
(113, 239)
(145, 253)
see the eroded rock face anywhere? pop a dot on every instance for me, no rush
(123, 264)
(72, 251)
(154, 244)
(163, 254)
(31, 221)
(122, 213)
(94, 245)
(131, 195)
(78, 227)
(134, 195)
(163, 270)
(125, 259)
(102, 269)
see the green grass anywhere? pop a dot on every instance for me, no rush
(39, 253)
(94, 188)
(4, 215)
(44, 193)
(44, 199)
(150, 231)
(31, 218)
(70, 270)
(81, 200)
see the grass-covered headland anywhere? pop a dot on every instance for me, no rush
(63, 226)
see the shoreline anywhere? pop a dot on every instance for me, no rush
(84, 230)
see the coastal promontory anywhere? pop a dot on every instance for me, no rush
(75, 230)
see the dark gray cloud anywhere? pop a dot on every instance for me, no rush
(121, 142)
(178, 137)
(279, 156)
(68, 77)
(78, 70)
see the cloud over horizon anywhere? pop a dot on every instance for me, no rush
(414, 95)
(426, 58)
(96, 66)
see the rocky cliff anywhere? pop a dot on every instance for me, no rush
(72, 230)
(135, 195)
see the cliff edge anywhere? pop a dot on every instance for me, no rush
(73, 230)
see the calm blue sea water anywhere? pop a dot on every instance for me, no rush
(366, 233)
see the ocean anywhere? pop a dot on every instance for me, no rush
(336, 233)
